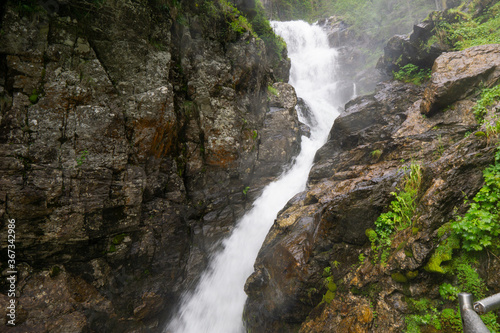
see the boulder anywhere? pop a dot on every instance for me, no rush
(456, 75)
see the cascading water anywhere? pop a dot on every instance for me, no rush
(216, 305)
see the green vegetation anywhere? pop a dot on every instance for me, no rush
(245, 190)
(448, 292)
(272, 90)
(412, 74)
(399, 277)
(27, 7)
(224, 22)
(118, 239)
(275, 45)
(361, 258)
(482, 30)
(460, 30)
(479, 228)
(376, 154)
(400, 214)
(463, 276)
(444, 252)
(54, 271)
(330, 285)
(81, 159)
(34, 97)
(487, 98)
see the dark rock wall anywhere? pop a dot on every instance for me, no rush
(132, 136)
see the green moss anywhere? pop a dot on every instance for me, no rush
(371, 234)
(272, 90)
(55, 271)
(118, 239)
(399, 277)
(331, 286)
(34, 97)
(444, 252)
(444, 229)
(328, 296)
(468, 278)
(376, 154)
(410, 275)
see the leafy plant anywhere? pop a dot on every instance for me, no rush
(487, 98)
(412, 74)
(468, 278)
(330, 285)
(479, 228)
(448, 292)
(414, 321)
(81, 159)
(361, 258)
(245, 190)
(376, 153)
(400, 214)
(451, 319)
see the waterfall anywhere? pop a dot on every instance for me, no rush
(216, 305)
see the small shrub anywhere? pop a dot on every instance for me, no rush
(487, 98)
(412, 74)
(448, 292)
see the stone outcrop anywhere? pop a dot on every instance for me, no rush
(321, 233)
(455, 75)
(402, 50)
(130, 143)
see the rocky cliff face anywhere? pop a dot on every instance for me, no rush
(132, 137)
(316, 271)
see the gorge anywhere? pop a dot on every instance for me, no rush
(217, 303)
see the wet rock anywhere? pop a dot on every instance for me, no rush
(352, 314)
(279, 139)
(455, 75)
(402, 50)
(129, 146)
(349, 187)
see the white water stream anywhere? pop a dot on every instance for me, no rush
(216, 305)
